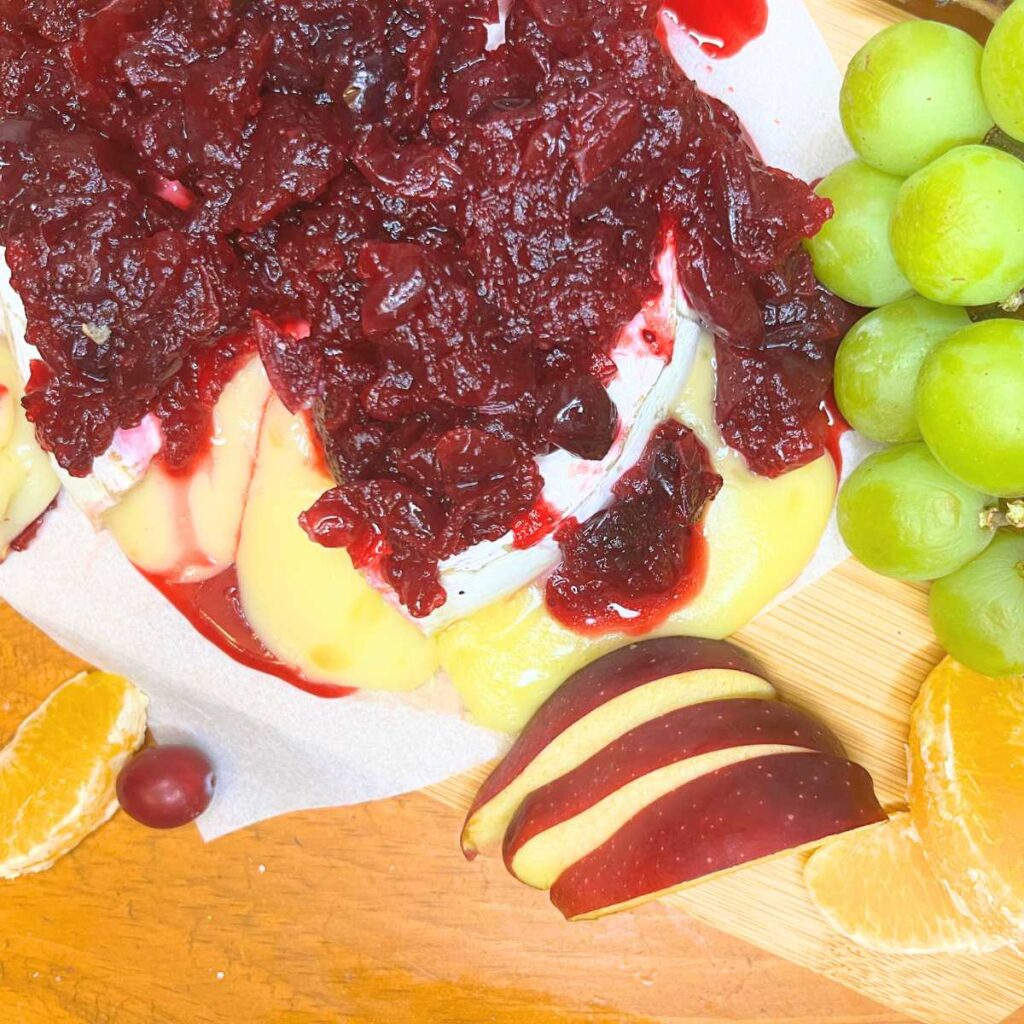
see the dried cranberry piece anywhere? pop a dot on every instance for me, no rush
(74, 420)
(416, 170)
(577, 414)
(488, 482)
(219, 98)
(605, 128)
(54, 20)
(396, 276)
(293, 361)
(296, 149)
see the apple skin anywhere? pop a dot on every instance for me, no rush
(733, 816)
(593, 685)
(679, 735)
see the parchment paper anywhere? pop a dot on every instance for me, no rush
(277, 749)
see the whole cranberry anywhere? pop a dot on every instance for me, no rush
(577, 414)
(166, 787)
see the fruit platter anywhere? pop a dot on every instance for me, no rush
(487, 399)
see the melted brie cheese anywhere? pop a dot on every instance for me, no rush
(27, 482)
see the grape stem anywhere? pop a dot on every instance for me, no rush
(990, 9)
(1014, 304)
(996, 518)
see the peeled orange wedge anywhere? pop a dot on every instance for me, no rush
(967, 790)
(875, 887)
(57, 775)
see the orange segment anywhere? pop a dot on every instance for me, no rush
(875, 887)
(967, 790)
(57, 775)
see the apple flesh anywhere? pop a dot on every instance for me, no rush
(563, 821)
(599, 703)
(736, 815)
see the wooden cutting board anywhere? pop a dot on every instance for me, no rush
(854, 649)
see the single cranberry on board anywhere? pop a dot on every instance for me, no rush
(166, 787)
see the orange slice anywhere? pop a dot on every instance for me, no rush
(875, 887)
(967, 790)
(57, 775)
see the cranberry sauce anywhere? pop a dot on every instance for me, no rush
(459, 231)
(631, 565)
(722, 28)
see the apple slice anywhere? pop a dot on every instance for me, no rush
(563, 821)
(597, 705)
(736, 815)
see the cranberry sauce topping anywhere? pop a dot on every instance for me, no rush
(431, 244)
(631, 565)
(722, 29)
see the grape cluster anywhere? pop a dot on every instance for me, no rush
(929, 229)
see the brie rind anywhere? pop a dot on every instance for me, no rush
(645, 391)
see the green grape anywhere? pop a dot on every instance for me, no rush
(911, 93)
(878, 363)
(970, 405)
(958, 227)
(978, 612)
(851, 253)
(1002, 71)
(903, 515)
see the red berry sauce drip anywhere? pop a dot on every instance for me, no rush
(722, 27)
(534, 525)
(463, 230)
(630, 566)
(24, 539)
(214, 608)
(837, 427)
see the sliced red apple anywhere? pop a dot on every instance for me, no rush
(566, 819)
(736, 815)
(596, 706)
